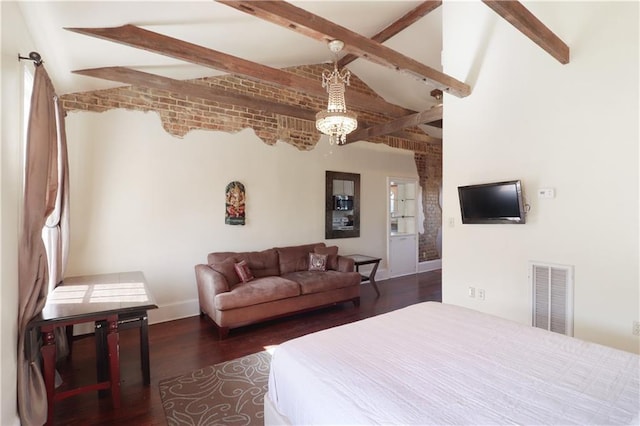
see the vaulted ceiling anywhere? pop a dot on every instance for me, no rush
(393, 46)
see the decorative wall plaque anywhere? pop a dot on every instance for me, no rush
(234, 204)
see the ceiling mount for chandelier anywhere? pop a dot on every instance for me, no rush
(336, 121)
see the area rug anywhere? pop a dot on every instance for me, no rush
(229, 393)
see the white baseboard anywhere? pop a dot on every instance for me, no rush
(174, 311)
(382, 274)
(430, 265)
(83, 328)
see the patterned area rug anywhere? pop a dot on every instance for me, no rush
(229, 393)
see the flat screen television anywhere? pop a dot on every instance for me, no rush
(498, 202)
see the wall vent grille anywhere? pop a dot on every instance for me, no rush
(552, 297)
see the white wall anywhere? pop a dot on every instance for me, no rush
(15, 39)
(571, 127)
(144, 200)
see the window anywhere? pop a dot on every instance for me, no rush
(27, 90)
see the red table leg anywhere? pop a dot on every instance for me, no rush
(114, 359)
(48, 352)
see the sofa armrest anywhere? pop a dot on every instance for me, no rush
(346, 264)
(209, 283)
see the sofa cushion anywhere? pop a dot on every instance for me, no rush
(295, 258)
(332, 256)
(316, 282)
(259, 290)
(262, 263)
(227, 269)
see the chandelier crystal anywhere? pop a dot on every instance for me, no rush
(336, 121)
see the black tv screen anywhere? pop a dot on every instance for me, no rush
(498, 202)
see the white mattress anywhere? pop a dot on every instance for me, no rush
(432, 363)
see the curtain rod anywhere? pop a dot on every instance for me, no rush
(33, 56)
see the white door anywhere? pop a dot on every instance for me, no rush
(402, 226)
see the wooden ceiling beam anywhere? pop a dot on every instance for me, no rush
(405, 21)
(416, 137)
(525, 22)
(140, 38)
(316, 27)
(153, 81)
(398, 124)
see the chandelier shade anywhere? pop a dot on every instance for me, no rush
(336, 121)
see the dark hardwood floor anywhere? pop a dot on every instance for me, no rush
(180, 346)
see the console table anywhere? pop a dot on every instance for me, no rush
(361, 259)
(101, 299)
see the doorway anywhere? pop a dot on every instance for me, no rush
(402, 236)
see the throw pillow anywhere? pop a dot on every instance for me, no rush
(317, 262)
(332, 256)
(243, 271)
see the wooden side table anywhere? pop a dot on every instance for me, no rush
(104, 299)
(135, 319)
(53, 319)
(361, 259)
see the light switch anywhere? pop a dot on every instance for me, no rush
(546, 193)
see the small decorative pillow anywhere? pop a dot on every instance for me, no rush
(243, 271)
(332, 256)
(317, 262)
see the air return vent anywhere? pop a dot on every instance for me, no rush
(552, 297)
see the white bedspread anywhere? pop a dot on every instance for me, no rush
(432, 363)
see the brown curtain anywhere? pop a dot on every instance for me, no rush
(41, 187)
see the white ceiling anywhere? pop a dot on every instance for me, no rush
(228, 30)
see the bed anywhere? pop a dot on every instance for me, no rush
(433, 363)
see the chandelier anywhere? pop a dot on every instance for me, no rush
(336, 121)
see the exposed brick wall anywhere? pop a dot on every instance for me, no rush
(430, 175)
(180, 114)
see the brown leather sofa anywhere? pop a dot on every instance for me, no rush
(282, 284)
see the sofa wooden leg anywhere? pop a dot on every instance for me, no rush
(356, 302)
